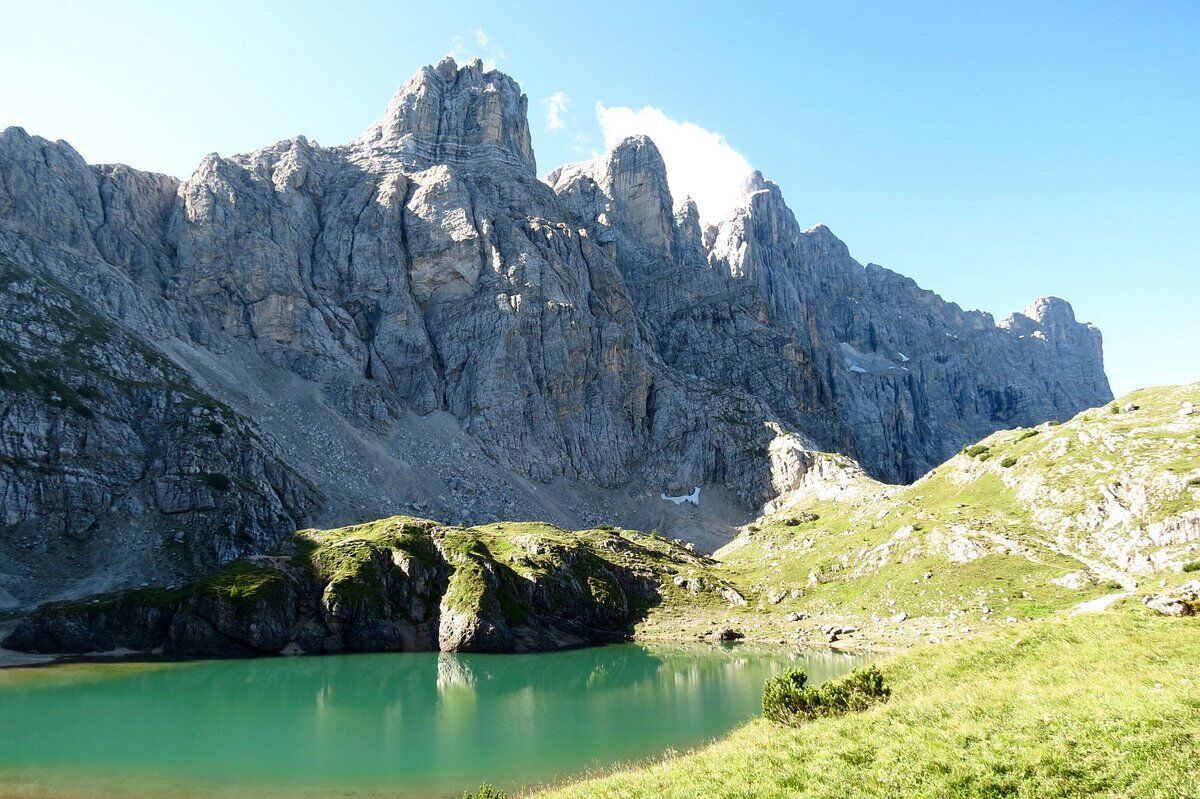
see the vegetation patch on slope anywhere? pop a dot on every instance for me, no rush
(1053, 517)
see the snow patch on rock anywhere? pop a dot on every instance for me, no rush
(868, 362)
(693, 497)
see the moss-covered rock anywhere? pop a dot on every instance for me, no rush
(398, 584)
(137, 620)
(245, 608)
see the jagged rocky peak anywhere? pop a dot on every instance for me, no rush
(1051, 311)
(687, 219)
(761, 218)
(1080, 344)
(594, 336)
(632, 179)
(755, 182)
(449, 113)
(763, 215)
(1044, 315)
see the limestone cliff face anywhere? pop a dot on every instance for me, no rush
(860, 359)
(115, 468)
(414, 317)
(907, 372)
(451, 115)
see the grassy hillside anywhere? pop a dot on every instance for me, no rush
(1019, 526)
(1104, 706)
(973, 571)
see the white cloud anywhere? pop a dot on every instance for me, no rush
(560, 121)
(700, 162)
(556, 111)
(483, 48)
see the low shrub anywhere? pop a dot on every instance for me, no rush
(485, 792)
(981, 451)
(1027, 434)
(1008, 461)
(787, 698)
(216, 481)
(1194, 566)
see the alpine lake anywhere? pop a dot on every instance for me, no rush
(377, 725)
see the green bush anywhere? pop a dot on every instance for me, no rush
(485, 792)
(1027, 434)
(216, 481)
(1008, 461)
(1194, 566)
(981, 451)
(787, 699)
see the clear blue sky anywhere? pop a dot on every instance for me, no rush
(993, 153)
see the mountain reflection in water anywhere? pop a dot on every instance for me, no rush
(419, 724)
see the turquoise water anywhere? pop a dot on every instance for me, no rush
(406, 725)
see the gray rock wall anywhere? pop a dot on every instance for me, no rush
(583, 334)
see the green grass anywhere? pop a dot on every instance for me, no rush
(242, 580)
(145, 597)
(1099, 706)
(497, 565)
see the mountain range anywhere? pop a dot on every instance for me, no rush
(414, 321)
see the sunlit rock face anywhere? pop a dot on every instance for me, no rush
(414, 319)
(445, 114)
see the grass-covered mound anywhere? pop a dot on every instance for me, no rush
(1098, 706)
(398, 584)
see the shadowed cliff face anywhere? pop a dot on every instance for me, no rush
(414, 318)
(115, 467)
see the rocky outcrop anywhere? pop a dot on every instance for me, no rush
(583, 343)
(399, 584)
(133, 620)
(463, 116)
(1183, 601)
(115, 466)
